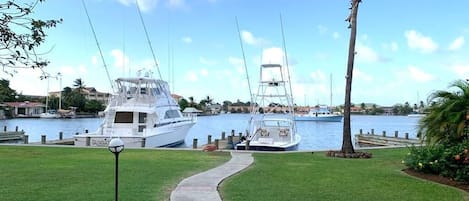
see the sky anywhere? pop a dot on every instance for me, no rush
(405, 50)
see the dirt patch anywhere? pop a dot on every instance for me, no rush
(438, 179)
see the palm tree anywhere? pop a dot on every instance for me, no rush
(347, 146)
(447, 114)
(79, 85)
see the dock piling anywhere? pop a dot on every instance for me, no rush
(223, 135)
(143, 142)
(43, 139)
(209, 139)
(61, 135)
(384, 133)
(194, 143)
(88, 141)
(396, 134)
(26, 139)
(217, 141)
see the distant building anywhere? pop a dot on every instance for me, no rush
(26, 109)
(90, 93)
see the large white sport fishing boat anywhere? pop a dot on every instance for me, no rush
(272, 126)
(142, 114)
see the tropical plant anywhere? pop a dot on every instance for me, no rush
(347, 146)
(445, 121)
(79, 85)
(20, 35)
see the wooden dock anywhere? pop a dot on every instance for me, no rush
(372, 140)
(8, 136)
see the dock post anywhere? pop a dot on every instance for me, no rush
(396, 134)
(209, 139)
(43, 139)
(223, 135)
(88, 141)
(406, 136)
(232, 132)
(86, 131)
(26, 139)
(61, 135)
(194, 143)
(16, 129)
(240, 136)
(217, 143)
(384, 133)
(4, 128)
(361, 131)
(230, 140)
(248, 142)
(372, 131)
(143, 142)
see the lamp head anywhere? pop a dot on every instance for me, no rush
(116, 145)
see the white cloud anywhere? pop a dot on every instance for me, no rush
(120, 60)
(82, 69)
(204, 72)
(418, 74)
(145, 5)
(394, 46)
(317, 76)
(359, 75)
(461, 70)
(273, 55)
(94, 60)
(187, 40)
(67, 70)
(249, 38)
(366, 54)
(420, 42)
(456, 44)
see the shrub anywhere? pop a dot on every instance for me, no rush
(447, 159)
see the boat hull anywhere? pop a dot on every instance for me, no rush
(165, 136)
(337, 118)
(270, 147)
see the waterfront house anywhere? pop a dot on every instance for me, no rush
(26, 109)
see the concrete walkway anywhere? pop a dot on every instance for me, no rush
(203, 186)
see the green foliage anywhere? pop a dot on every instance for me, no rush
(20, 35)
(447, 113)
(183, 103)
(93, 106)
(6, 93)
(445, 159)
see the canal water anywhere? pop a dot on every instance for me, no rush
(314, 135)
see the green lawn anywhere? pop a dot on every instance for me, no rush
(66, 173)
(306, 176)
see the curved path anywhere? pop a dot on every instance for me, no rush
(203, 186)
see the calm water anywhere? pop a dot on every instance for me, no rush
(315, 135)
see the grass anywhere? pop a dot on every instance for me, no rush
(306, 176)
(62, 173)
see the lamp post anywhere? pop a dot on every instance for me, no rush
(116, 146)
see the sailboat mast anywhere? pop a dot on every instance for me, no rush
(330, 90)
(245, 66)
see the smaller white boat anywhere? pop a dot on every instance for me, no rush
(320, 113)
(50, 114)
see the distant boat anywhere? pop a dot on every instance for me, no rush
(320, 113)
(50, 114)
(142, 114)
(272, 130)
(417, 115)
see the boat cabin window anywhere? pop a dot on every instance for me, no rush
(172, 114)
(142, 117)
(124, 117)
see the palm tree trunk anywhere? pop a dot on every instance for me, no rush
(347, 146)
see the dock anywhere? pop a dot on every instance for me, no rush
(373, 140)
(8, 136)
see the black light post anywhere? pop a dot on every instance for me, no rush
(116, 146)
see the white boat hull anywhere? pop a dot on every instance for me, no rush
(330, 118)
(169, 135)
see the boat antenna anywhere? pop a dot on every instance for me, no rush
(288, 67)
(148, 39)
(245, 66)
(97, 44)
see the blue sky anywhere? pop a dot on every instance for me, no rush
(405, 49)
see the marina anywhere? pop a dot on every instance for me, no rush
(315, 135)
